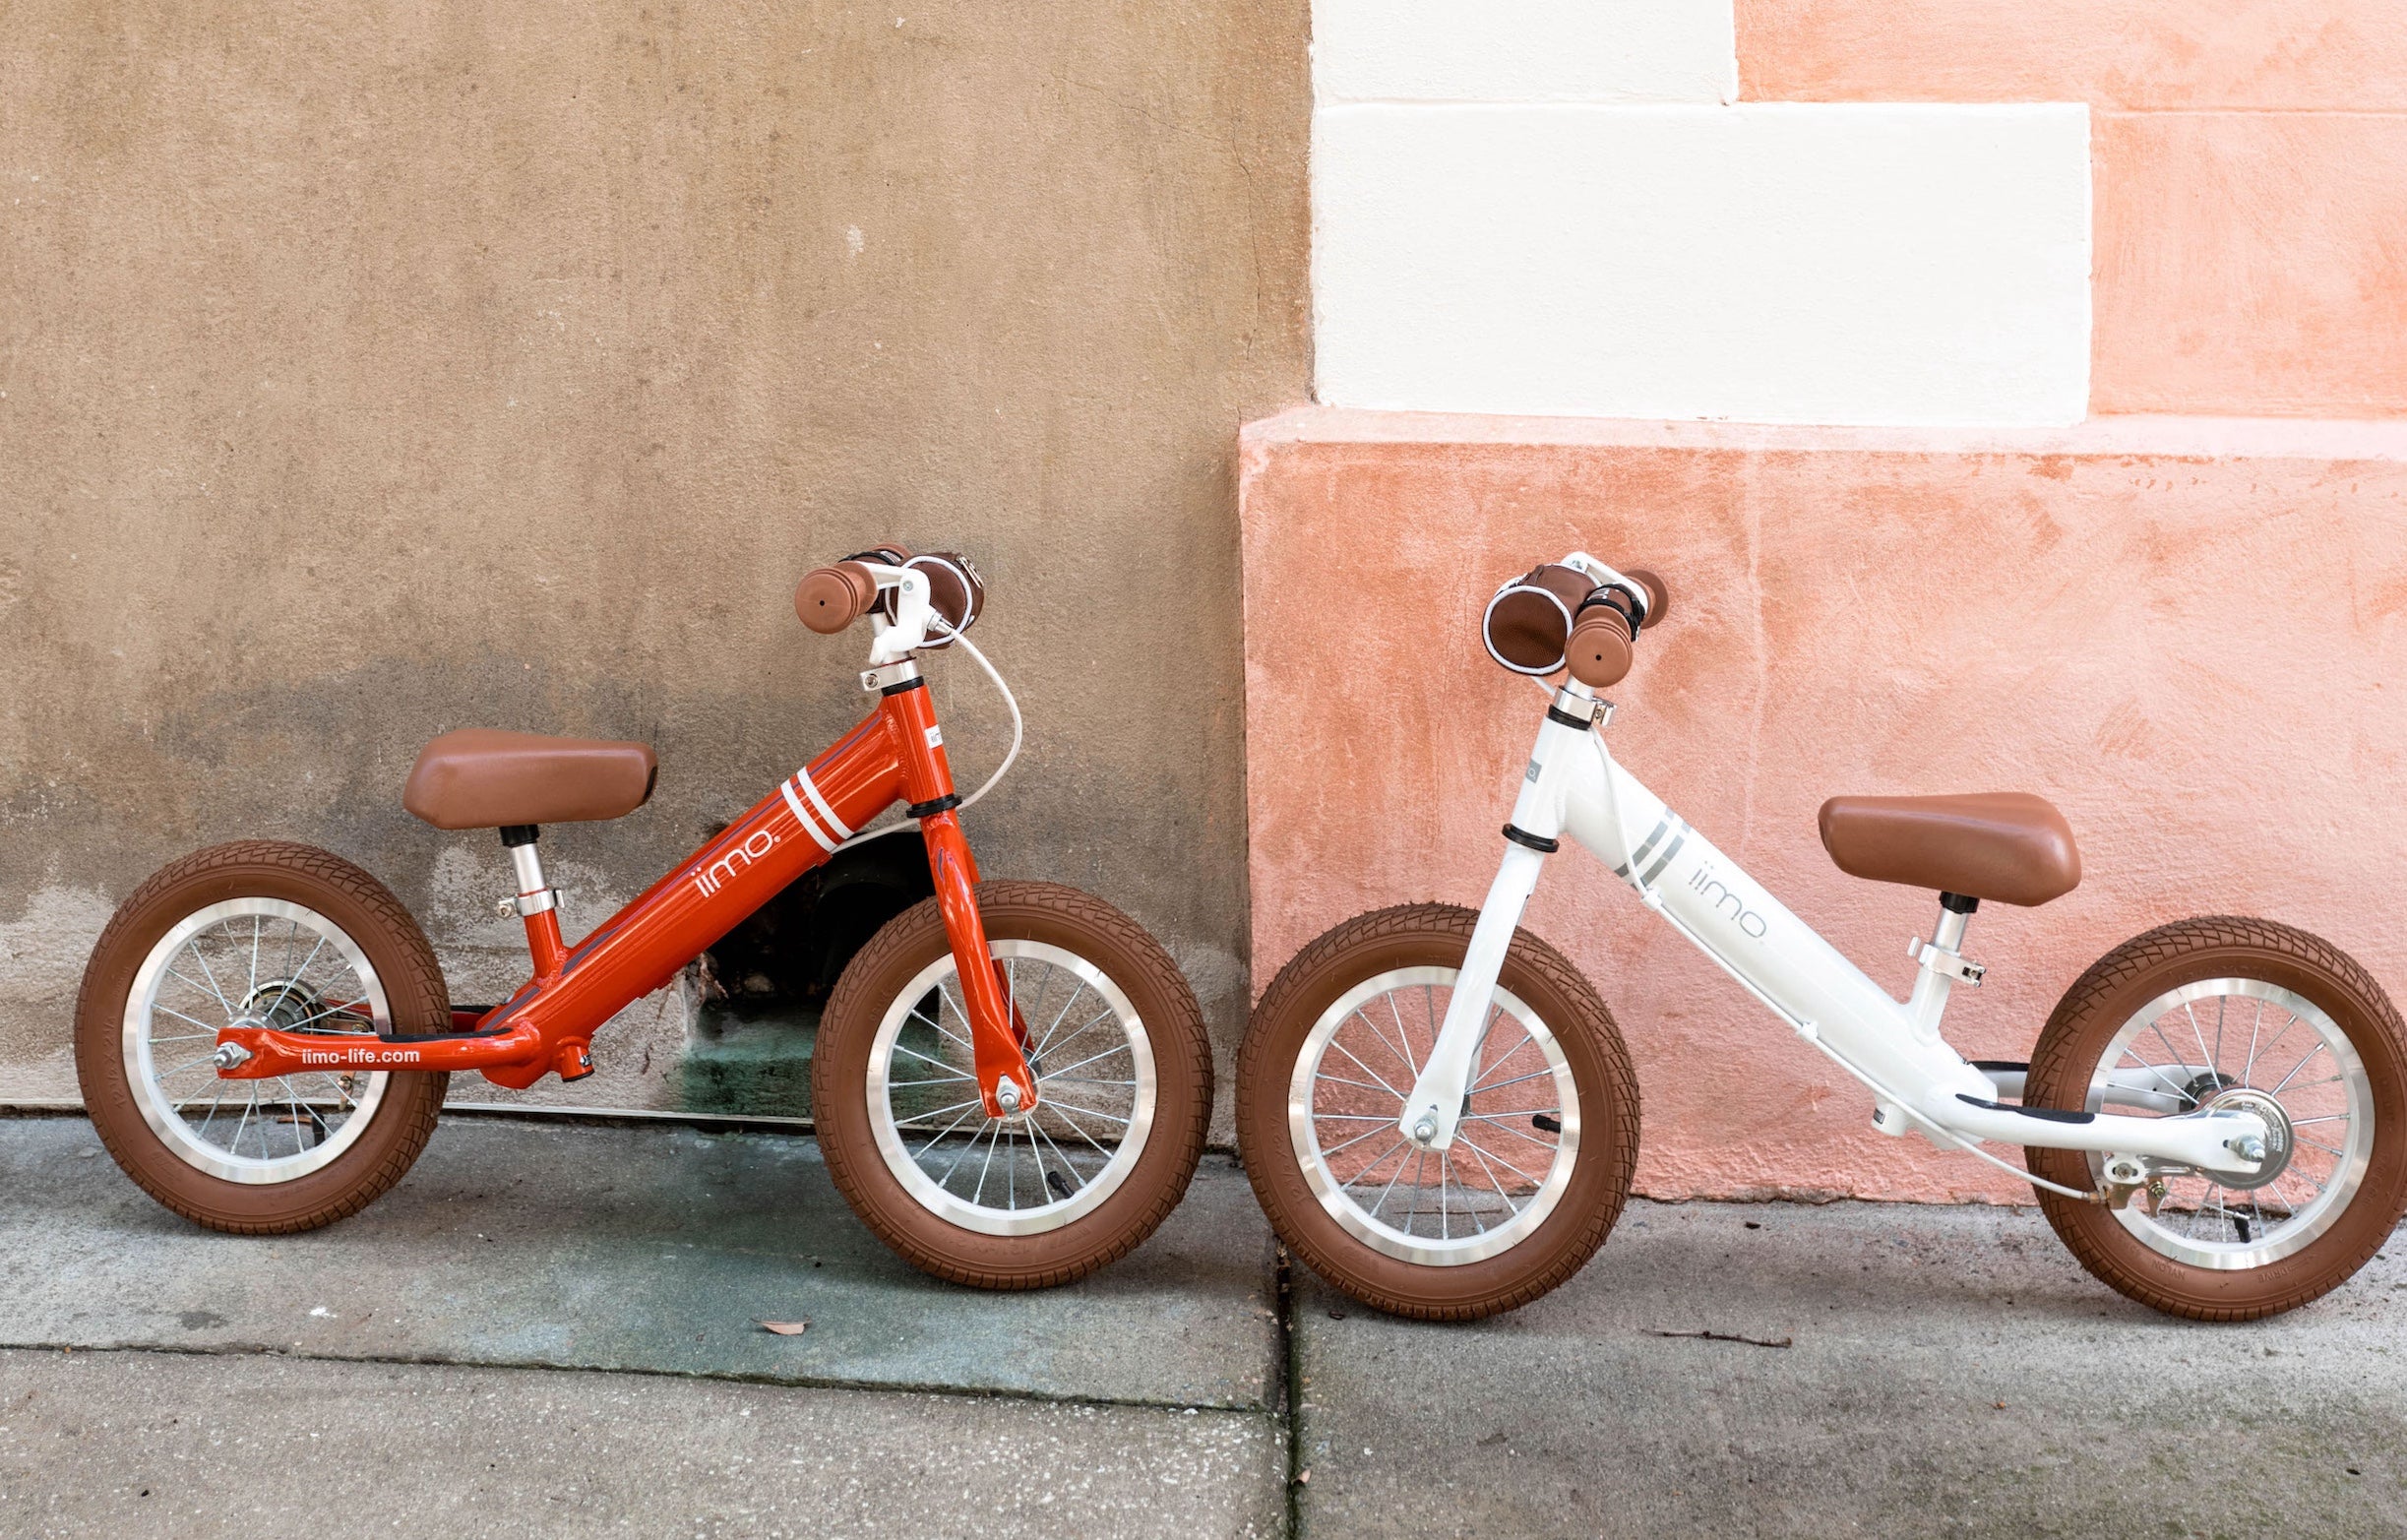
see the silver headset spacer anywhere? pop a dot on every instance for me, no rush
(886, 677)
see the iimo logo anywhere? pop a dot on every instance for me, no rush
(1712, 889)
(714, 877)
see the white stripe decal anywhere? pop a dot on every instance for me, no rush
(803, 778)
(802, 818)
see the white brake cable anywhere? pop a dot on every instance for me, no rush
(1002, 689)
(1010, 703)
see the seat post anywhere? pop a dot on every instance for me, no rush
(535, 904)
(1942, 962)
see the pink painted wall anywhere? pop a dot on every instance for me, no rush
(2190, 634)
(2337, 55)
(2250, 261)
(2250, 164)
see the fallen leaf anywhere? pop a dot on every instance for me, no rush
(786, 1329)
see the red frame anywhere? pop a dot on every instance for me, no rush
(897, 753)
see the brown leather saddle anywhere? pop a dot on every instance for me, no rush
(2007, 847)
(479, 777)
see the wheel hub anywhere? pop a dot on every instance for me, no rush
(2205, 1086)
(282, 1005)
(2278, 1141)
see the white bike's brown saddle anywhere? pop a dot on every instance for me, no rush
(2008, 846)
(480, 777)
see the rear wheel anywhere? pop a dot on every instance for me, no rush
(1123, 1080)
(258, 933)
(2237, 1013)
(1541, 1161)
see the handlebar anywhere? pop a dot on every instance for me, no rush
(923, 602)
(830, 598)
(1577, 614)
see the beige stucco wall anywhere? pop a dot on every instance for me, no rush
(387, 368)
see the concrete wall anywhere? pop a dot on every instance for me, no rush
(371, 370)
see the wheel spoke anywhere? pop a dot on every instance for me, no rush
(938, 1137)
(1367, 1070)
(1533, 1075)
(2319, 1048)
(921, 1016)
(1117, 1048)
(1510, 1129)
(198, 956)
(1085, 1112)
(1385, 1123)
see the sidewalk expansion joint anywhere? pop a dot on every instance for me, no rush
(726, 1376)
(1291, 1389)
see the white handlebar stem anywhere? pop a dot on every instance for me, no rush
(893, 640)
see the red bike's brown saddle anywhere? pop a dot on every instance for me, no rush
(2008, 847)
(479, 777)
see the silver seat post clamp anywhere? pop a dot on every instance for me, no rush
(534, 894)
(1943, 962)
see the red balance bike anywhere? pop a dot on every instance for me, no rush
(1010, 1081)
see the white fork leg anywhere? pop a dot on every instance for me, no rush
(1436, 1103)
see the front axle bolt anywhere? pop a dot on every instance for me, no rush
(230, 1056)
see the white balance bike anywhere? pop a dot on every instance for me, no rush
(1439, 1115)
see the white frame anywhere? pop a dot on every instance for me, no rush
(1573, 787)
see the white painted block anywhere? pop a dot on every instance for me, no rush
(1523, 50)
(1769, 263)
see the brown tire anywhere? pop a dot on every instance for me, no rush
(890, 1082)
(1544, 1240)
(2215, 1251)
(350, 1138)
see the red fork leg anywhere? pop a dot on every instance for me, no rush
(995, 1031)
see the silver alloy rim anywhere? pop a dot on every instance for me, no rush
(1505, 1171)
(299, 971)
(1035, 1171)
(2203, 1040)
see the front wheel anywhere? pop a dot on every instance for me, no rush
(1541, 1161)
(1123, 1089)
(2239, 1013)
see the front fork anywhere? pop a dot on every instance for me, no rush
(998, 1036)
(998, 1032)
(1440, 1093)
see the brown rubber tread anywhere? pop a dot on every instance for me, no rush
(2094, 1009)
(421, 1004)
(1436, 934)
(1182, 1060)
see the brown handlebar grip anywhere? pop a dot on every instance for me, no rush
(830, 598)
(1658, 598)
(1599, 650)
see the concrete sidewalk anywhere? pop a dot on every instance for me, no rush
(554, 1330)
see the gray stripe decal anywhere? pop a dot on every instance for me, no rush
(1670, 850)
(1644, 845)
